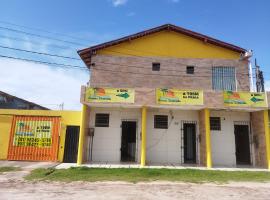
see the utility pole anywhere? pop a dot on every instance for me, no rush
(61, 106)
(257, 68)
(262, 81)
(259, 78)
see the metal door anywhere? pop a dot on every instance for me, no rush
(242, 146)
(128, 141)
(71, 144)
(189, 143)
(34, 138)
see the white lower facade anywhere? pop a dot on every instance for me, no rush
(164, 146)
(223, 141)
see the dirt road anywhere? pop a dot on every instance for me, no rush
(12, 186)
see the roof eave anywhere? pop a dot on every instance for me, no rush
(187, 32)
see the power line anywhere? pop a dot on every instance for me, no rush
(40, 36)
(40, 53)
(111, 51)
(44, 62)
(35, 42)
(43, 30)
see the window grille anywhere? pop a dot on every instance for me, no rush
(215, 124)
(223, 78)
(102, 120)
(155, 66)
(161, 121)
(190, 70)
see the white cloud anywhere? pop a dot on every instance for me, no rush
(117, 3)
(42, 84)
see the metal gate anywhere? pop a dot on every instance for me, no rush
(183, 122)
(34, 138)
(250, 137)
(71, 144)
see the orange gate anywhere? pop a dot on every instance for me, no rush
(34, 138)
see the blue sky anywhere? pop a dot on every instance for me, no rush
(243, 22)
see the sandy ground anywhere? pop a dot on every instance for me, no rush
(13, 186)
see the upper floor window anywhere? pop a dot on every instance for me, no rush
(223, 78)
(190, 70)
(155, 66)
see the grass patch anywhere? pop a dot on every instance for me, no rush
(9, 169)
(146, 175)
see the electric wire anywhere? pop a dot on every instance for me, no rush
(42, 30)
(45, 62)
(40, 53)
(40, 36)
(36, 43)
(109, 63)
(165, 60)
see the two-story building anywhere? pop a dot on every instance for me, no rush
(171, 96)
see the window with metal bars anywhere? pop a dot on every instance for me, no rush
(215, 124)
(190, 69)
(102, 120)
(223, 78)
(161, 121)
(155, 66)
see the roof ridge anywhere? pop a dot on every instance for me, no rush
(162, 27)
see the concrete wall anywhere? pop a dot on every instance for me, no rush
(202, 137)
(171, 44)
(107, 140)
(223, 142)
(5, 125)
(131, 71)
(68, 118)
(257, 122)
(163, 145)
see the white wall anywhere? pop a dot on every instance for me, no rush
(223, 142)
(164, 145)
(107, 140)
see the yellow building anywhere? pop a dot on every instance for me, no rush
(68, 123)
(171, 96)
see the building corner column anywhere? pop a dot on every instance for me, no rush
(267, 137)
(208, 138)
(143, 136)
(82, 134)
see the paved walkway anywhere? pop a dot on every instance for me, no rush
(34, 165)
(108, 165)
(26, 165)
